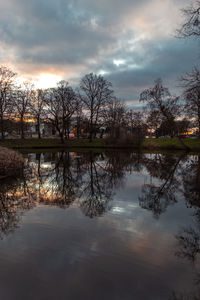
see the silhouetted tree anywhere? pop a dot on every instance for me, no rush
(114, 117)
(61, 105)
(191, 24)
(79, 116)
(153, 121)
(22, 104)
(191, 84)
(160, 100)
(95, 93)
(37, 107)
(7, 77)
(135, 121)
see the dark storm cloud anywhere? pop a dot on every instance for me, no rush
(168, 60)
(129, 41)
(40, 29)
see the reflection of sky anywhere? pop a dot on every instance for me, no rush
(59, 253)
(125, 254)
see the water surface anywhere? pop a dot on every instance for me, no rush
(113, 225)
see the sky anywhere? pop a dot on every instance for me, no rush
(130, 42)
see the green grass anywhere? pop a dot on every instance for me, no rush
(49, 143)
(171, 144)
(148, 144)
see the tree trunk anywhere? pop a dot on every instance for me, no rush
(198, 127)
(22, 127)
(101, 134)
(38, 128)
(78, 128)
(68, 130)
(61, 136)
(173, 124)
(91, 132)
(2, 128)
(186, 148)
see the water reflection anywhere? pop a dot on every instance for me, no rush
(157, 196)
(61, 178)
(15, 198)
(191, 181)
(89, 180)
(98, 184)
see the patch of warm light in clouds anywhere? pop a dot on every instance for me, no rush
(42, 81)
(155, 19)
(46, 80)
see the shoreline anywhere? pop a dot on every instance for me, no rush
(147, 144)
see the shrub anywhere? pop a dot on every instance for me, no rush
(124, 141)
(11, 162)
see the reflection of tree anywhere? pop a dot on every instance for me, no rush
(96, 190)
(189, 243)
(62, 182)
(189, 248)
(14, 200)
(120, 162)
(55, 179)
(89, 180)
(68, 178)
(103, 173)
(191, 181)
(61, 178)
(189, 237)
(158, 196)
(189, 240)
(181, 296)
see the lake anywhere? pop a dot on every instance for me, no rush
(106, 225)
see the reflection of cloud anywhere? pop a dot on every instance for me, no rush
(62, 248)
(126, 251)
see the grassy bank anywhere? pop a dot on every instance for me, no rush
(149, 144)
(35, 143)
(171, 144)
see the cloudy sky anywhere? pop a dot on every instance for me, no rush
(130, 42)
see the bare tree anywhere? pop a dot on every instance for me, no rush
(153, 121)
(191, 24)
(95, 93)
(191, 84)
(37, 107)
(22, 104)
(160, 100)
(114, 117)
(61, 105)
(135, 121)
(6, 86)
(78, 116)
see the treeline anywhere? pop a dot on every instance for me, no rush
(92, 108)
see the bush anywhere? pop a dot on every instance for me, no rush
(11, 162)
(124, 141)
